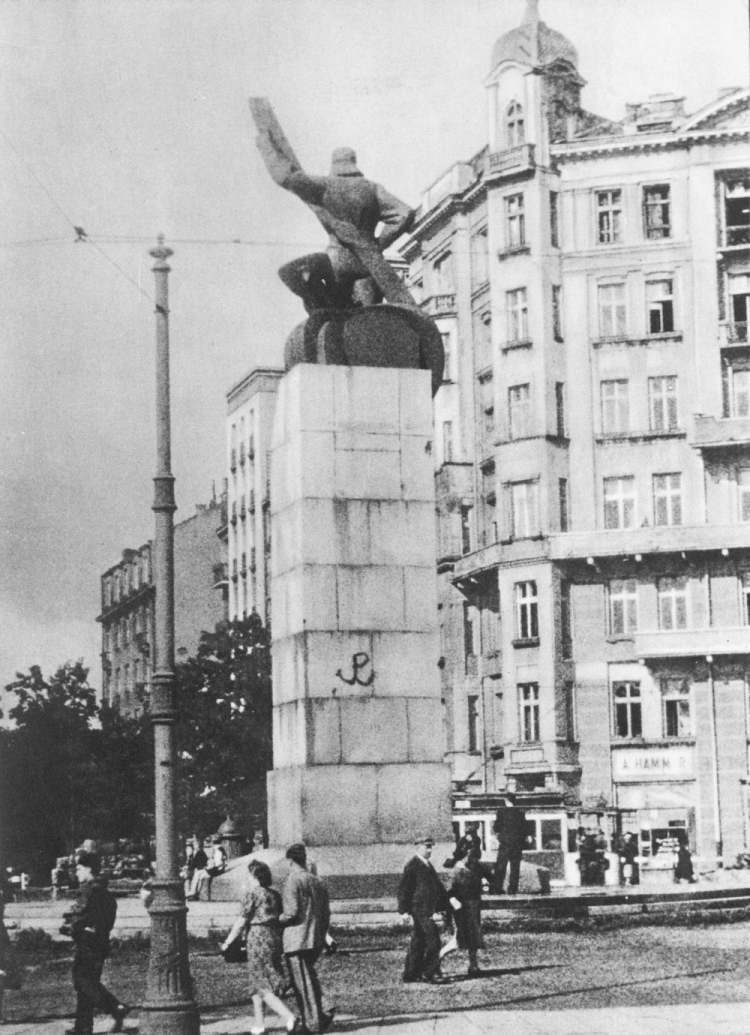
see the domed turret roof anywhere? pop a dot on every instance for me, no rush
(228, 827)
(533, 43)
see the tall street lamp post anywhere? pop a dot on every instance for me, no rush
(169, 1008)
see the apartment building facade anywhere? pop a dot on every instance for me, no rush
(127, 605)
(591, 279)
(250, 409)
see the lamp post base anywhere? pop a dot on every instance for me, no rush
(169, 1008)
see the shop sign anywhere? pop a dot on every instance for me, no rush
(644, 764)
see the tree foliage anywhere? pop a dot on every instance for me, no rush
(69, 770)
(224, 731)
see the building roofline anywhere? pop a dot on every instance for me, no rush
(257, 380)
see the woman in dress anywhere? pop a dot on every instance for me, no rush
(259, 918)
(466, 900)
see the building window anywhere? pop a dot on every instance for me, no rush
(566, 622)
(473, 717)
(560, 408)
(623, 607)
(554, 226)
(562, 485)
(676, 701)
(609, 216)
(515, 226)
(615, 407)
(515, 133)
(527, 611)
(465, 529)
(519, 411)
(479, 259)
(570, 709)
(518, 315)
(660, 303)
(736, 386)
(745, 598)
(627, 699)
(469, 652)
(489, 506)
(739, 298)
(482, 324)
(447, 356)
(743, 493)
(557, 332)
(656, 223)
(673, 602)
(662, 403)
(667, 499)
(619, 502)
(447, 441)
(528, 699)
(443, 274)
(612, 321)
(737, 212)
(524, 509)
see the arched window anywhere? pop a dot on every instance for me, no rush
(514, 124)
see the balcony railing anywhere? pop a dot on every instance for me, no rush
(685, 643)
(440, 305)
(734, 333)
(736, 235)
(513, 160)
(721, 432)
(632, 542)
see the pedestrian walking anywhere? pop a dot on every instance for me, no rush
(305, 919)
(466, 905)
(201, 880)
(421, 895)
(259, 919)
(510, 830)
(89, 924)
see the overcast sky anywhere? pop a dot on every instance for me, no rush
(130, 119)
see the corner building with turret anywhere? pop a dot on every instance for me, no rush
(591, 282)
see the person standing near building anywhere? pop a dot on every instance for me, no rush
(89, 924)
(305, 919)
(510, 830)
(420, 895)
(201, 878)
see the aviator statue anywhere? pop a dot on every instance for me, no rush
(342, 288)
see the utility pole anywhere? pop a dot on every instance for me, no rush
(170, 1008)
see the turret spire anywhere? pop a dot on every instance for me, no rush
(531, 19)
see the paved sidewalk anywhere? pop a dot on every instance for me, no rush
(692, 1019)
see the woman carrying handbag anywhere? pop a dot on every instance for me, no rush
(259, 920)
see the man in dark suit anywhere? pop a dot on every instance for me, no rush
(305, 921)
(510, 830)
(421, 894)
(89, 923)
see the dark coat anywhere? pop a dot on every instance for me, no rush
(93, 916)
(421, 892)
(510, 828)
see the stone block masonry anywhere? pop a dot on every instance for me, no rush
(358, 730)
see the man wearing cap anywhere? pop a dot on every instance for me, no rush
(421, 894)
(89, 924)
(350, 208)
(510, 830)
(305, 918)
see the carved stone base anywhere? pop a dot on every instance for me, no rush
(371, 336)
(169, 1008)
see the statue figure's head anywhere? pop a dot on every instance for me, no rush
(344, 162)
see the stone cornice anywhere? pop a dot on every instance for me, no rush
(575, 152)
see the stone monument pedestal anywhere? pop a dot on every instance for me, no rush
(358, 728)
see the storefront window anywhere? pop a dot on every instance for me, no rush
(677, 718)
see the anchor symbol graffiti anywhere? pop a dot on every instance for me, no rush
(360, 660)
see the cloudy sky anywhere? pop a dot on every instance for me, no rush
(129, 119)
